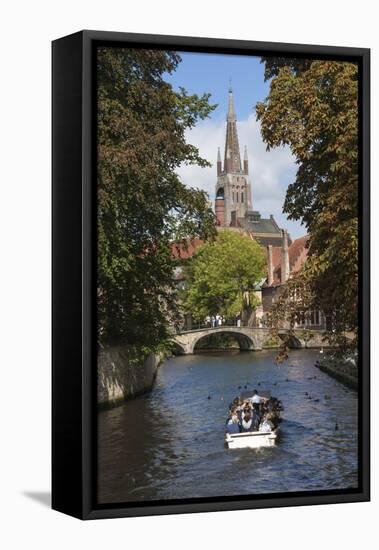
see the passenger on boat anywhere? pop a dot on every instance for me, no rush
(266, 425)
(247, 423)
(256, 401)
(271, 404)
(234, 403)
(237, 405)
(252, 414)
(274, 418)
(256, 418)
(262, 409)
(233, 423)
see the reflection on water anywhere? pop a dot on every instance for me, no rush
(170, 444)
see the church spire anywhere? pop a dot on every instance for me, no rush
(231, 117)
(232, 159)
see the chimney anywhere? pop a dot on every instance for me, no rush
(219, 169)
(285, 264)
(245, 162)
(270, 267)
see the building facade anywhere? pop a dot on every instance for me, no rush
(234, 212)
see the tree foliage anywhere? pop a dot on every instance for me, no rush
(142, 203)
(223, 273)
(313, 108)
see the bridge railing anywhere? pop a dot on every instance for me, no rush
(206, 326)
(215, 326)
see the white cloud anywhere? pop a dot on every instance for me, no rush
(270, 172)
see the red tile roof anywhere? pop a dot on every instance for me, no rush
(186, 248)
(297, 252)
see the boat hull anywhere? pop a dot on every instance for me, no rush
(252, 440)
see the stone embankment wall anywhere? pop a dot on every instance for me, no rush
(118, 380)
(346, 373)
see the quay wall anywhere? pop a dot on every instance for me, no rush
(343, 372)
(118, 379)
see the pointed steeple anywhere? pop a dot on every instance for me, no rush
(231, 116)
(232, 159)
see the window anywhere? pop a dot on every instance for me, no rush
(300, 318)
(312, 318)
(241, 197)
(237, 196)
(315, 317)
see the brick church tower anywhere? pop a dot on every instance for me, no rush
(233, 189)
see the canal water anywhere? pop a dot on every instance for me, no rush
(170, 444)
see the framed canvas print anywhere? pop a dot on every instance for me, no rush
(210, 275)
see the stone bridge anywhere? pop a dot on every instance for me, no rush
(249, 339)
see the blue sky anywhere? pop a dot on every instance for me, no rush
(270, 172)
(199, 73)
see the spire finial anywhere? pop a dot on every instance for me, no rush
(245, 157)
(230, 86)
(218, 154)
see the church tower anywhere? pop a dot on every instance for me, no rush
(233, 189)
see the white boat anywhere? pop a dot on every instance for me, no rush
(252, 440)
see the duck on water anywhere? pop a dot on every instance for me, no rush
(253, 420)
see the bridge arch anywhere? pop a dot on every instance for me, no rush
(178, 349)
(294, 342)
(249, 338)
(245, 342)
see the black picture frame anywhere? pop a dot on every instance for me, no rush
(74, 275)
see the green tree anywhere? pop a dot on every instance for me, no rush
(313, 108)
(223, 274)
(142, 203)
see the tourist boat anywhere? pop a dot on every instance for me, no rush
(252, 440)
